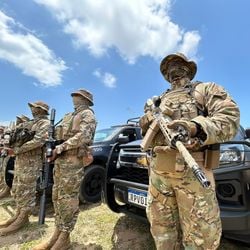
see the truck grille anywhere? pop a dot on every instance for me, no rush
(129, 169)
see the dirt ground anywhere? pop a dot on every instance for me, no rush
(97, 228)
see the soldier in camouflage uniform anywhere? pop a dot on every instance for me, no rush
(6, 154)
(1, 135)
(4, 158)
(76, 131)
(181, 212)
(22, 121)
(29, 158)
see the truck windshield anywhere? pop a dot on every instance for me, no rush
(105, 134)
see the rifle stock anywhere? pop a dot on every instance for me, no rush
(44, 172)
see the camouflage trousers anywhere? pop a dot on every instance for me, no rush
(3, 165)
(26, 173)
(182, 213)
(68, 172)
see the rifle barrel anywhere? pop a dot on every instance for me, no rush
(193, 165)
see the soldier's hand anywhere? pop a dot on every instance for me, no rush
(53, 157)
(145, 122)
(179, 125)
(11, 152)
(7, 151)
(194, 144)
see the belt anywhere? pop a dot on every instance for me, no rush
(198, 156)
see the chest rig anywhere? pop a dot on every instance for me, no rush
(70, 125)
(179, 104)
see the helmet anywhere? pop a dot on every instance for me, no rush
(41, 105)
(22, 118)
(84, 93)
(178, 56)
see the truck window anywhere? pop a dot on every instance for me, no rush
(130, 133)
(105, 134)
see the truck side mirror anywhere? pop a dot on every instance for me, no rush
(123, 139)
(248, 132)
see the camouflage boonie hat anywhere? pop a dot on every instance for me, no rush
(178, 56)
(86, 94)
(41, 105)
(23, 118)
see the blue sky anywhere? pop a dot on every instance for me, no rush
(49, 48)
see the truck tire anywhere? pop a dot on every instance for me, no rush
(92, 184)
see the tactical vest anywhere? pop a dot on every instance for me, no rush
(24, 132)
(180, 104)
(70, 125)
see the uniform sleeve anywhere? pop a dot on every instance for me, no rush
(223, 115)
(85, 134)
(39, 139)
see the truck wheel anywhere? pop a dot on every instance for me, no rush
(92, 184)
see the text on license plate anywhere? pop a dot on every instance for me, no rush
(138, 197)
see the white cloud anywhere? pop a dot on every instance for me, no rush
(20, 47)
(107, 78)
(133, 28)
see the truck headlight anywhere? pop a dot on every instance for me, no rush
(231, 154)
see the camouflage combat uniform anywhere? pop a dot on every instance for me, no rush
(76, 133)
(2, 182)
(22, 121)
(29, 159)
(4, 158)
(78, 129)
(181, 212)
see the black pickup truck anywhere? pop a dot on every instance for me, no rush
(126, 184)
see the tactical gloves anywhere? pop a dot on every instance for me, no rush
(186, 132)
(190, 127)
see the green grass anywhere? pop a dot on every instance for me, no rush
(97, 228)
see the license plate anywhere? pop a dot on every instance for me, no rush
(137, 197)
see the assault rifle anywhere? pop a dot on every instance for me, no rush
(173, 138)
(44, 172)
(20, 135)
